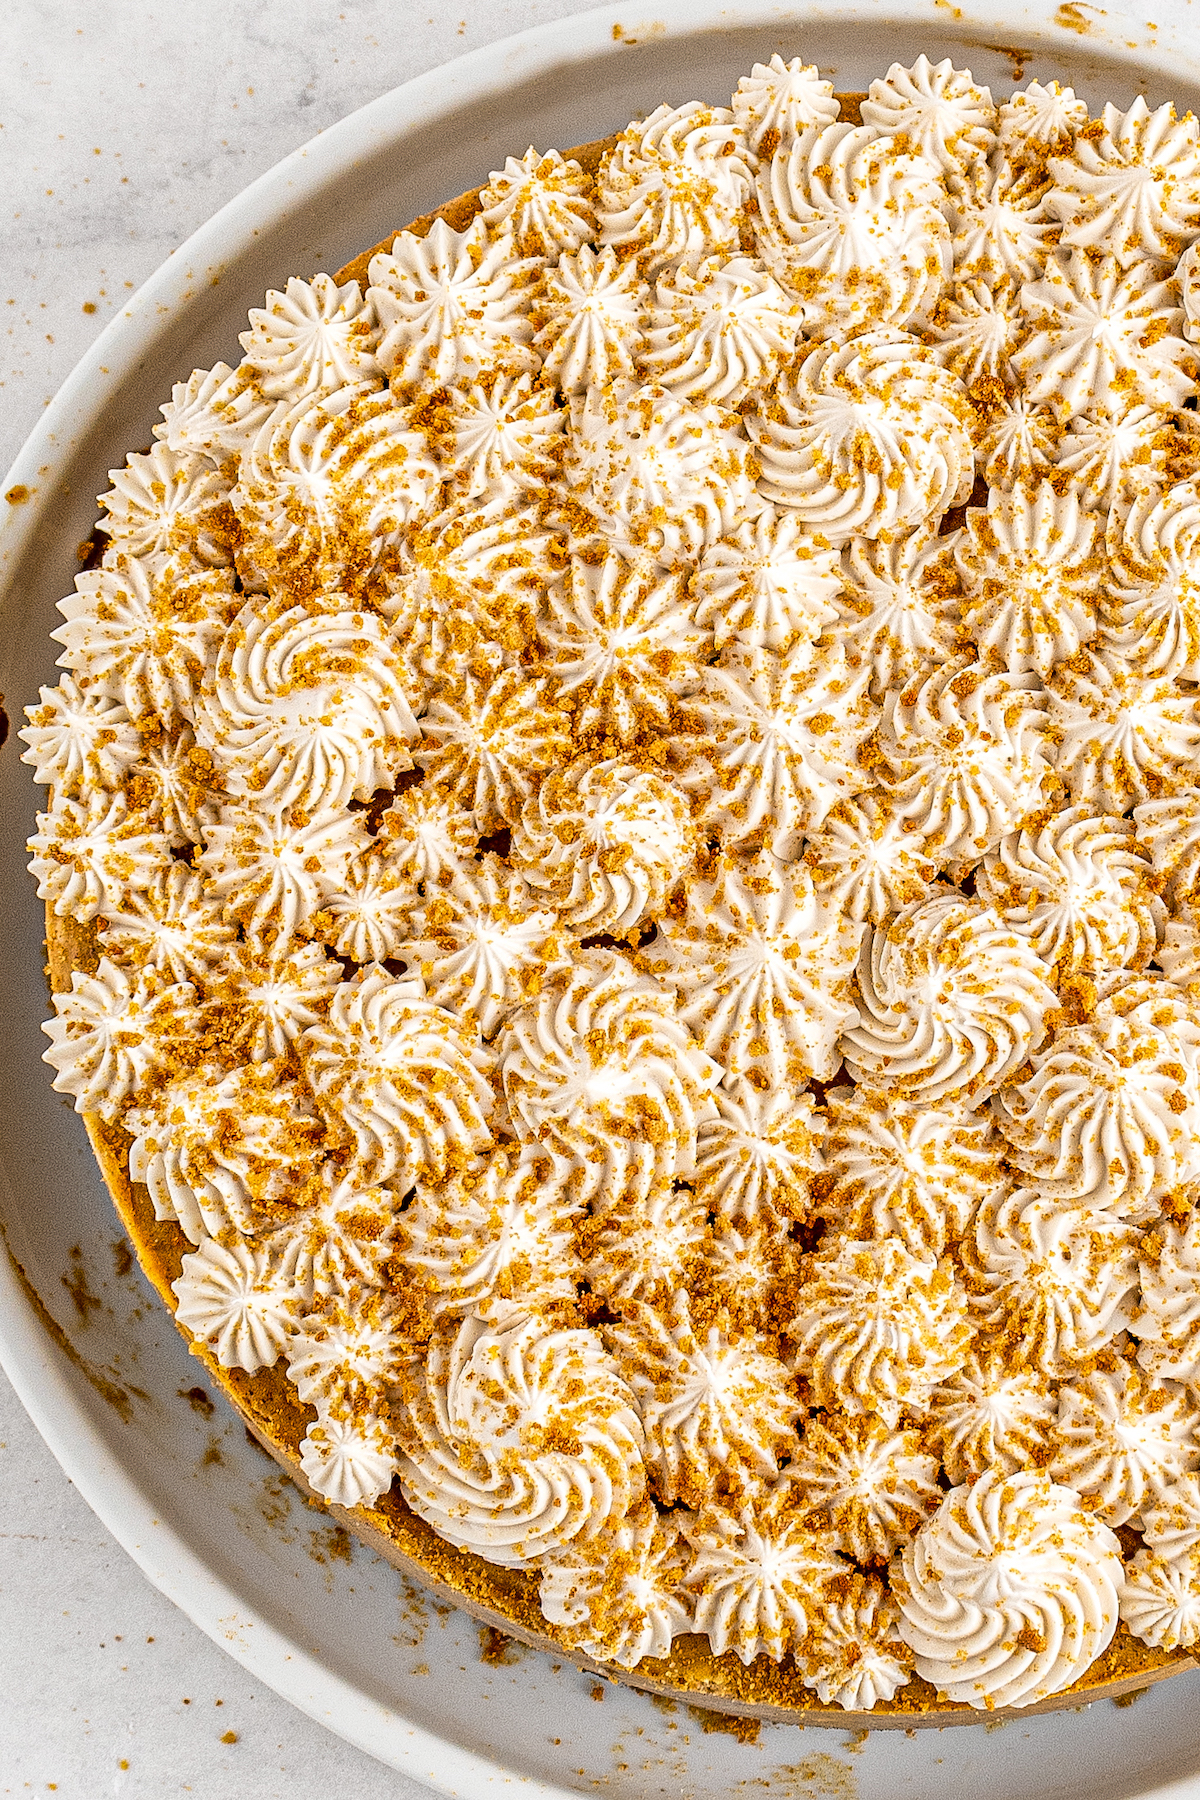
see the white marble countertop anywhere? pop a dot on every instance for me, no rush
(122, 128)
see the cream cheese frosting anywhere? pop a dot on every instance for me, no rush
(632, 783)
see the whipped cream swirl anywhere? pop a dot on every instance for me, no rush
(599, 1069)
(899, 608)
(1110, 1113)
(1030, 566)
(238, 1299)
(1150, 606)
(712, 1407)
(853, 225)
(1167, 1322)
(870, 1486)
(78, 738)
(1131, 187)
(143, 640)
(623, 644)
(1055, 1284)
(543, 203)
(494, 1240)
(1038, 120)
(897, 1168)
(988, 1416)
(768, 583)
(1078, 890)
(659, 473)
(718, 334)
(213, 1147)
(1121, 1439)
(868, 861)
(169, 505)
(965, 755)
(606, 842)
(762, 971)
(516, 1437)
(760, 1573)
(952, 1001)
(1103, 337)
(477, 942)
(307, 709)
(854, 1655)
(773, 743)
(639, 1613)
(590, 312)
(106, 1033)
(865, 437)
(758, 1157)
(408, 1078)
(778, 100)
(674, 187)
(938, 110)
(1009, 1592)
(450, 305)
(311, 338)
(879, 1328)
(1123, 738)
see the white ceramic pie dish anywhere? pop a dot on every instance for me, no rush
(201, 1512)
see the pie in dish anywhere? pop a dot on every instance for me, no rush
(622, 888)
